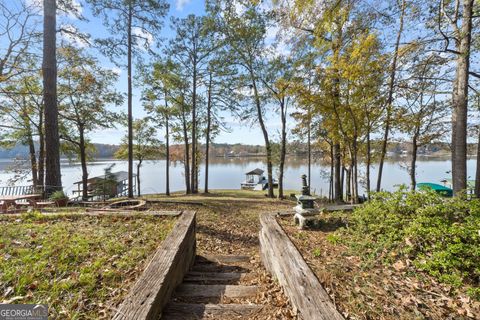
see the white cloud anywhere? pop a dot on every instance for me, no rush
(144, 39)
(272, 33)
(69, 33)
(180, 4)
(239, 8)
(116, 70)
(279, 49)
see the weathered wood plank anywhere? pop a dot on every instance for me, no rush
(227, 258)
(213, 276)
(215, 290)
(160, 201)
(130, 213)
(191, 311)
(165, 271)
(284, 261)
(213, 267)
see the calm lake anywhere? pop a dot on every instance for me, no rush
(228, 173)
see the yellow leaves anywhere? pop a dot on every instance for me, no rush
(302, 5)
(409, 48)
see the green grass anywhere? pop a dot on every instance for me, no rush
(219, 194)
(79, 266)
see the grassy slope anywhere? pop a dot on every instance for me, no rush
(79, 266)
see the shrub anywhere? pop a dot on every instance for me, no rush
(440, 236)
(58, 195)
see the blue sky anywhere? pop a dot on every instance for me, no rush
(238, 133)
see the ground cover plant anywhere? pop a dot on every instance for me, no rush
(403, 255)
(437, 235)
(81, 266)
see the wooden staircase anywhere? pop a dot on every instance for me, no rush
(217, 287)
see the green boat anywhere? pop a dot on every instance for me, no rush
(470, 184)
(441, 190)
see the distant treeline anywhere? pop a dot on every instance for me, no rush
(103, 151)
(21, 151)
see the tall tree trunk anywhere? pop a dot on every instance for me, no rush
(31, 150)
(167, 164)
(369, 162)
(460, 102)
(348, 190)
(330, 185)
(391, 88)
(193, 179)
(139, 164)
(336, 47)
(342, 177)
(33, 161)
(413, 163)
(41, 153)
(187, 154)
(283, 149)
(130, 102)
(477, 174)
(209, 122)
(309, 148)
(355, 170)
(83, 162)
(338, 192)
(265, 136)
(53, 179)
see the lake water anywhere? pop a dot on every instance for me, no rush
(228, 173)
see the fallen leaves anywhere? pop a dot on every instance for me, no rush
(231, 226)
(376, 291)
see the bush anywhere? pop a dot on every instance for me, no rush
(440, 236)
(58, 195)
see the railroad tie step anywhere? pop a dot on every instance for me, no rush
(214, 277)
(190, 311)
(215, 290)
(227, 258)
(217, 268)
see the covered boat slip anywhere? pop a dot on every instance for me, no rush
(103, 187)
(255, 180)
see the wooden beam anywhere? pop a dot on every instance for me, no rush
(227, 258)
(284, 261)
(215, 290)
(191, 311)
(213, 277)
(130, 213)
(163, 274)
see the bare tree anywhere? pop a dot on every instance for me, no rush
(17, 37)
(390, 91)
